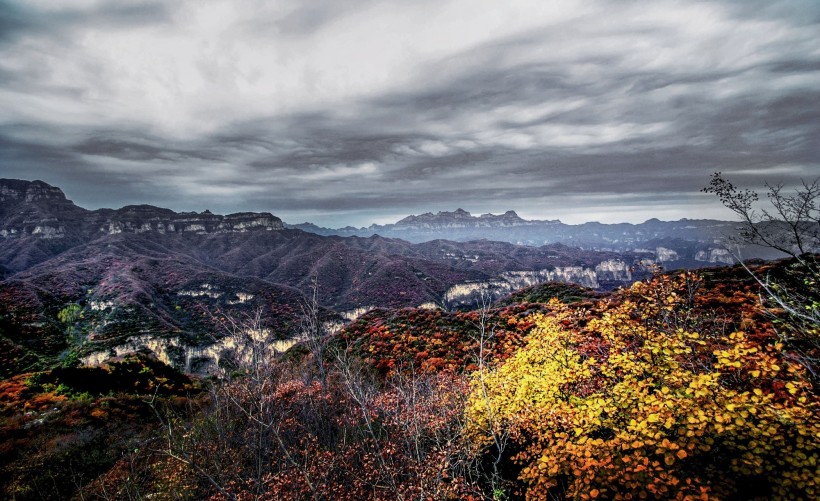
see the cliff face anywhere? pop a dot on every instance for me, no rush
(15, 190)
(721, 256)
(146, 218)
(613, 269)
(36, 209)
(610, 270)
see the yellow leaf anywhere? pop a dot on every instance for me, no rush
(681, 454)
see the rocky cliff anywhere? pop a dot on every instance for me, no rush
(145, 218)
(36, 209)
(610, 270)
(721, 256)
(15, 190)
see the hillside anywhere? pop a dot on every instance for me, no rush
(147, 278)
(680, 385)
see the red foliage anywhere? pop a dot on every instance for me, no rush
(435, 340)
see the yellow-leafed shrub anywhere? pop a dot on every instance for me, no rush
(627, 403)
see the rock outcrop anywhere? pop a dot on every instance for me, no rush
(721, 256)
(611, 270)
(146, 218)
(36, 209)
(665, 255)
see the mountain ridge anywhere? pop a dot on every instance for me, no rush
(681, 243)
(148, 278)
(461, 225)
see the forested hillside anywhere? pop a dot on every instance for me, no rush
(681, 386)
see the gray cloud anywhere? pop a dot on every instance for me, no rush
(371, 110)
(19, 19)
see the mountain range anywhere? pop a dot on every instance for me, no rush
(148, 278)
(688, 240)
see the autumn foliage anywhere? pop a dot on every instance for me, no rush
(656, 393)
(433, 340)
(343, 436)
(681, 387)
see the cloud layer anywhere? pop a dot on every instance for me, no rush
(365, 111)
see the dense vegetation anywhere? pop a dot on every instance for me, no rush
(657, 393)
(683, 386)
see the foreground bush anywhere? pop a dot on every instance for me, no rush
(336, 434)
(650, 398)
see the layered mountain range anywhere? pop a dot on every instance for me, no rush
(148, 278)
(686, 242)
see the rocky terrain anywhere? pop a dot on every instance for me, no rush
(123, 329)
(151, 279)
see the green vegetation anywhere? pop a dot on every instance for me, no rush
(70, 316)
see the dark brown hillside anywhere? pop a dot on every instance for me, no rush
(142, 275)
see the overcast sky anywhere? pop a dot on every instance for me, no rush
(360, 111)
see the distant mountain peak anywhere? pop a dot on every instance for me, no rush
(458, 218)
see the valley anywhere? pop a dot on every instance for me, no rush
(147, 278)
(142, 348)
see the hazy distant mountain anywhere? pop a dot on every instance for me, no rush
(687, 242)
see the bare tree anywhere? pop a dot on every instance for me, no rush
(232, 437)
(313, 331)
(789, 224)
(484, 334)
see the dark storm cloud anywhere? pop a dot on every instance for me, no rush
(354, 112)
(147, 150)
(18, 18)
(13, 21)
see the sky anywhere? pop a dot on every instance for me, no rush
(364, 111)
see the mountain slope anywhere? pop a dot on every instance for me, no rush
(143, 276)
